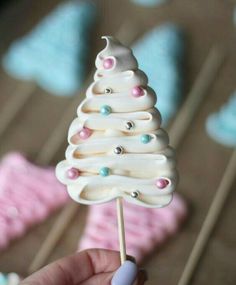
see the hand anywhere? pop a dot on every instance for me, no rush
(89, 267)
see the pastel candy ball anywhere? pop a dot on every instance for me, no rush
(104, 171)
(108, 63)
(137, 91)
(85, 133)
(145, 139)
(105, 110)
(72, 173)
(161, 183)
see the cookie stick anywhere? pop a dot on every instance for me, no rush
(121, 229)
(197, 93)
(210, 220)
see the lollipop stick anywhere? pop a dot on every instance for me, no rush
(210, 220)
(121, 229)
(199, 90)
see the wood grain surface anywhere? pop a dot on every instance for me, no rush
(201, 160)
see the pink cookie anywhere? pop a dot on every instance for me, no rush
(27, 196)
(146, 228)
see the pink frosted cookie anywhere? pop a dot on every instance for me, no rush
(27, 196)
(146, 228)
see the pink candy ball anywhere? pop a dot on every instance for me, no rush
(108, 63)
(85, 133)
(137, 91)
(72, 173)
(162, 183)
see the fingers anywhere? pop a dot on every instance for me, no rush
(95, 266)
(105, 279)
(76, 268)
(141, 277)
(99, 279)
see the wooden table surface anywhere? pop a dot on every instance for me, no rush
(201, 160)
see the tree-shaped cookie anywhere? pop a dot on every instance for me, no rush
(221, 126)
(116, 146)
(117, 149)
(54, 54)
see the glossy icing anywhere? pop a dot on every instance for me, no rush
(140, 164)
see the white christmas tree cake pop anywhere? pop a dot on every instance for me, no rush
(116, 146)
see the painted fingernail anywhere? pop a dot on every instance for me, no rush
(126, 274)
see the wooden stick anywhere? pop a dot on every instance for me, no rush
(14, 105)
(121, 229)
(210, 220)
(195, 97)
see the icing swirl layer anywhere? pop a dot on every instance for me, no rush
(125, 153)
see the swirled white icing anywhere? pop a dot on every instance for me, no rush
(141, 163)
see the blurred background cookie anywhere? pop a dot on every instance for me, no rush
(55, 53)
(221, 126)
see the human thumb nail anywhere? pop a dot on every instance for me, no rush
(126, 274)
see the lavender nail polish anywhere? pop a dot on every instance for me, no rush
(126, 274)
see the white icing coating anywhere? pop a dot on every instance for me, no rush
(122, 56)
(140, 164)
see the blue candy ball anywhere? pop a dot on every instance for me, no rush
(105, 110)
(104, 171)
(145, 138)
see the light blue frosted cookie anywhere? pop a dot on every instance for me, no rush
(160, 55)
(55, 52)
(3, 279)
(149, 2)
(221, 126)
(9, 279)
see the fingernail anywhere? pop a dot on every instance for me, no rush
(126, 274)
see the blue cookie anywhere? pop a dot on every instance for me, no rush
(3, 279)
(149, 2)
(160, 55)
(55, 52)
(221, 126)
